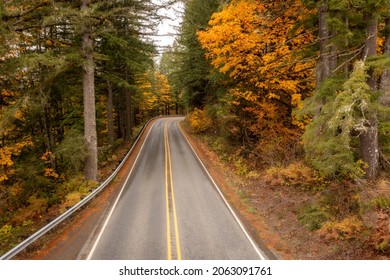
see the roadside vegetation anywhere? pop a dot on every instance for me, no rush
(299, 213)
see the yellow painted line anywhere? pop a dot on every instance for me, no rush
(169, 250)
(169, 186)
(178, 249)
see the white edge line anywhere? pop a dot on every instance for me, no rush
(262, 257)
(117, 199)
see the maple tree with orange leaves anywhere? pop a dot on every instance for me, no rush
(257, 44)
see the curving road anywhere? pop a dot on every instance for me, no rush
(169, 208)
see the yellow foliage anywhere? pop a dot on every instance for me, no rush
(50, 173)
(5, 231)
(75, 191)
(71, 200)
(36, 207)
(255, 43)
(199, 121)
(348, 228)
(295, 174)
(3, 177)
(155, 91)
(5, 157)
(47, 156)
(7, 153)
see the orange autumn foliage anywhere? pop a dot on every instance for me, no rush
(7, 156)
(257, 44)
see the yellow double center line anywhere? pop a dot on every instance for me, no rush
(173, 242)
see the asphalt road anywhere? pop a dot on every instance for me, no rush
(169, 208)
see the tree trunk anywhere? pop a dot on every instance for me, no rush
(369, 150)
(369, 147)
(110, 113)
(90, 136)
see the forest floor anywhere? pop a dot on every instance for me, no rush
(277, 212)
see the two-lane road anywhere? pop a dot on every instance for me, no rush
(169, 208)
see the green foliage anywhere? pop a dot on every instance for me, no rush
(71, 152)
(193, 77)
(329, 139)
(30, 174)
(383, 246)
(381, 202)
(76, 184)
(109, 153)
(6, 233)
(11, 235)
(241, 167)
(243, 195)
(74, 190)
(219, 145)
(313, 217)
(36, 206)
(384, 139)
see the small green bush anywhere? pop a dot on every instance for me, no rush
(313, 217)
(72, 152)
(381, 202)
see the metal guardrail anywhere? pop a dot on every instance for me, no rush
(38, 234)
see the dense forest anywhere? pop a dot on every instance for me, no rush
(77, 79)
(277, 70)
(271, 85)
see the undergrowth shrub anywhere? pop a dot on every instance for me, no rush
(382, 202)
(348, 228)
(11, 235)
(36, 207)
(220, 146)
(6, 232)
(229, 154)
(313, 217)
(381, 236)
(108, 153)
(74, 191)
(241, 167)
(379, 201)
(296, 174)
(278, 149)
(343, 199)
(71, 152)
